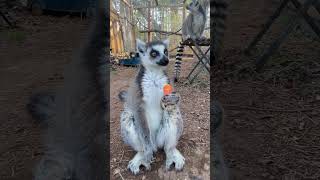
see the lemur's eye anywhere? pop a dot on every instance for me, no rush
(153, 53)
(166, 52)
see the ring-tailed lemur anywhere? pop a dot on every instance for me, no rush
(194, 24)
(145, 125)
(75, 116)
(192, 27)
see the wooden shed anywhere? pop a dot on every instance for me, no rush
(116, 33)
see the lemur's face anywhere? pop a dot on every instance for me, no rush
(193, 6)
(153, 54)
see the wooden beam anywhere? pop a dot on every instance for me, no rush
(149, 21)
(114, 12)
(159, 31)
(115, 50)
(126, 2)
(133, 26)
(159, 6)
(122, 17)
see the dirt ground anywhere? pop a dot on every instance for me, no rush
(272, 118)
(32, 57)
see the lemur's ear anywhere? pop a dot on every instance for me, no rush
(141, 46)
(166, 42)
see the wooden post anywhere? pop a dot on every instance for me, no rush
(133, 33)
(114, 29)
(121, 38)
(149, 21)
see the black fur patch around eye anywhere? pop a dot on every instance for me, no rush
(140, 50)
(154, 53)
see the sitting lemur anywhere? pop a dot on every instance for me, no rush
(150, 119)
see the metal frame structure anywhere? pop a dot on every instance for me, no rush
(201, 55)
(301, 10)
(6, 19)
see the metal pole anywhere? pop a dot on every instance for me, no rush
(266, 26)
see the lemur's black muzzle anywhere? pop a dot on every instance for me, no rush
(163, 62)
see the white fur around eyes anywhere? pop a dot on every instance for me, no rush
(149, 62)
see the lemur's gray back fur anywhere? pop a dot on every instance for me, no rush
(194, 24)
(75, 137)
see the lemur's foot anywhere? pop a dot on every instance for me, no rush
(193, 38)
(176, 158)
(187, 37)
(201, 38)
(137, 161)
(170, 99)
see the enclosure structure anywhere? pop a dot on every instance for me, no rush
(147, 20)
(121, 27)
(116, 33)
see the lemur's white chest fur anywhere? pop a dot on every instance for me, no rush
(152, 85)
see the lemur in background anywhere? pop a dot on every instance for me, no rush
(75, 116)
(151, 120)
(192, 28)
(194, 25)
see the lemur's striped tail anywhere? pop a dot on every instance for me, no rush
(218, 15)
(177, 66)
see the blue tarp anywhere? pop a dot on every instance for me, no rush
(134, 61)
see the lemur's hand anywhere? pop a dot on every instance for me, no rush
(170, 100)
